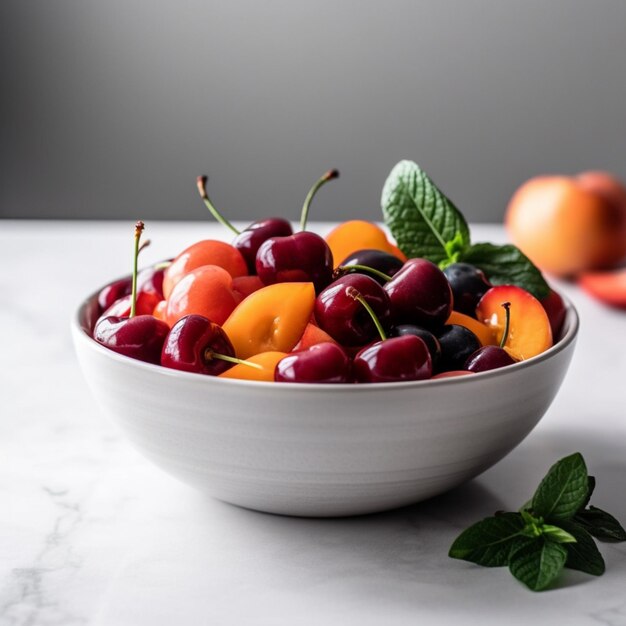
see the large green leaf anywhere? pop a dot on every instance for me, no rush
(584, 554)
(538, 563)
(489, 541)
(600, 524)
(422, 219)
(506, 265)
(563, 490)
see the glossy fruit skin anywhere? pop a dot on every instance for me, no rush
(303, 257)
(567, 225)
(468, 285)
(113, 292)
(529, 330)
(608, 287)
(320, 363)
(457, 344)
(144, 305)
(555, 309)
(488, 358)
(344, 318)
(206, 291)
(311, 336)
(271, 319)
(429, 339)
(249, 240)
(380, 260)
(205, 252)
(420, 294)
(354, 235)
(140, 337)
(150, 280)
(187, 343)
(393, 360)
(485, 334)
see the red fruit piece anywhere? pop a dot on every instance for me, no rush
(555, 308)
(207, 252)
(311, 336)
(321, 363)
(205, 291)
(608, 287)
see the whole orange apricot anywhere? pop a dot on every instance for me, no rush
(567, 225)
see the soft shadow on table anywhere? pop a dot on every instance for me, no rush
(406, 548)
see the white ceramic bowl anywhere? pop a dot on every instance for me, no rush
(322, 450)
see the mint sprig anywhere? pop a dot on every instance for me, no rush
(552, 531)
(426, 224)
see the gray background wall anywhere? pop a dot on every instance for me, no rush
(110, 109)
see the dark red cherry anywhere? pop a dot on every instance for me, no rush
(249, 240)
(145, 304)
(392, 360)
(140, 337)
(488, 358)
(114, 291)
(469, 285)
(420, 294)
(150, 281)
(303, 257)
(190, 345)
(429, 339)
(343, 317)
(555, 308)
(321, 363)
(457, 344)
(377, 259)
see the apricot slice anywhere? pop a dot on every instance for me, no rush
(608, 287)
(485, 334)
(267, 361)
(355, 235)
(270, 319)
(529, 329)
(206, 252)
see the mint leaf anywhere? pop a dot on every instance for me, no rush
(506, 265)
(584, 554)
(563, 490)
(538, 563)
(489, 541)
(591, 485)
(557, 534)
(422, 220)
(600, 524)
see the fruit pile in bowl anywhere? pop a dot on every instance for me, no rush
(398, 369)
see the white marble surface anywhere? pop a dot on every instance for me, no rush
(91, 533)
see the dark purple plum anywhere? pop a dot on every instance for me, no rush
(457, 344)
(468, 284)
(377, 259)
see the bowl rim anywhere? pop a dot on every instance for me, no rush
(572, 323)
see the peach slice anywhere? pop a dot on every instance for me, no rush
(529, 329)
(608, 287)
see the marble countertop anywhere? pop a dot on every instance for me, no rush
(92, 533)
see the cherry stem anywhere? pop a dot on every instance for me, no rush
(507, 322)
(307, 201)
(201, 182)
(345, 269)
(139, 226)
(209, 354)
(355, 294)
(144, 245)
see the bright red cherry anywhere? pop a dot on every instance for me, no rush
(420, 294)
(303, 257)
(113, 292)
(343, 317)
(320, 363)
(137, 336)
(195, 344)
(392, 360)
(249, 240)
